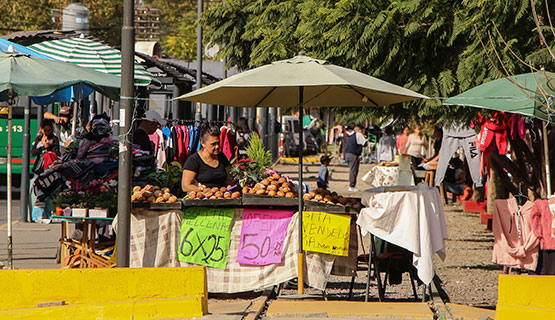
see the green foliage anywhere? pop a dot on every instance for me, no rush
(170, 177)
(431, 47)
(105, 20)
(261, 158)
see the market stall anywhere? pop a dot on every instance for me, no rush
(247, 243)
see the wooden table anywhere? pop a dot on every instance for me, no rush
(83, 253)
(430, 179)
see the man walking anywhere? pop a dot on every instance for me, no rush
(352, 156)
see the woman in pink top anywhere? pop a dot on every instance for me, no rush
(402, 140)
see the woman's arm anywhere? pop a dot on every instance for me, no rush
(37, 147)
(188, 180)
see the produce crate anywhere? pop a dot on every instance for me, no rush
(212, 202)
(259, 200)
(329, 208)
(158, 205)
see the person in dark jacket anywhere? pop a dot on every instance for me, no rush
(353, 150)
(46, 149)
(45, 141)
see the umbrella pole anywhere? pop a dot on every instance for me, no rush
(546, 152)
(9, 151)
(300, 260)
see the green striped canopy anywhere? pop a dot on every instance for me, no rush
(93, 54)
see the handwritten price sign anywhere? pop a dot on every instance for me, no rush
(262, 236)
(326, 233)
(205, 236)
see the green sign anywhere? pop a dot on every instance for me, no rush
(205, 236)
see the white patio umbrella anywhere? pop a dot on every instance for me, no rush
(305, 82)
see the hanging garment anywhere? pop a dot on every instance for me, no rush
(155, 139)
(493, 129)
(180, 145)
(229, 146)
(169, 149)
(453, 139)
(161, 149)
(516, 126)
(186, 141)
(387, 148)
(515, 243)
(543, 223)
(174, 144)
(223, 133)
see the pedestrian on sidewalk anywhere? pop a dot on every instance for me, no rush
(352, 155)
(323, 172)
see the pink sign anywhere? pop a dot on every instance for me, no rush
(262, 236)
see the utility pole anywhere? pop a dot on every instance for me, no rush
(199, 57)
(126, 119)
(24, 204)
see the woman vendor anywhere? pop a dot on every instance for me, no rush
(208, 166)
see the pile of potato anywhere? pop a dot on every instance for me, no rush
(204, 192)
(273, 186)
(325, 196)
(151, 193)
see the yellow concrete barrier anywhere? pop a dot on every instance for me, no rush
(143, 293)
(296, 160)
(525, 297)
(336, 309)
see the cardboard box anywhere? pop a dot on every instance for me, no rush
(98, 213)
(79, 212)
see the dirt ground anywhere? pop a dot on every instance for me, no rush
(467, 274)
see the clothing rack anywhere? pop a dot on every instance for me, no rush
(198, 122)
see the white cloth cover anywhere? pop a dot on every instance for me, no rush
(411, 219)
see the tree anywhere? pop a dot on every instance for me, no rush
(433, 47)
(105, 17)
(16, 17)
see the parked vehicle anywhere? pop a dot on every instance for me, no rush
(17, 147)
(290, 136)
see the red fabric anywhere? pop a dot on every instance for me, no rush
(180, 151)
(542, 218)
(223, 133)
(229, 144)
(493, 128)
(49, 158)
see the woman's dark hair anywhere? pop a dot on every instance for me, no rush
(207, 130)
(102, 115)
(46, 123)
(242, 126)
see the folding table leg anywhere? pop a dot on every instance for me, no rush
(411, 273)
(381, 292)
(424, 293)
